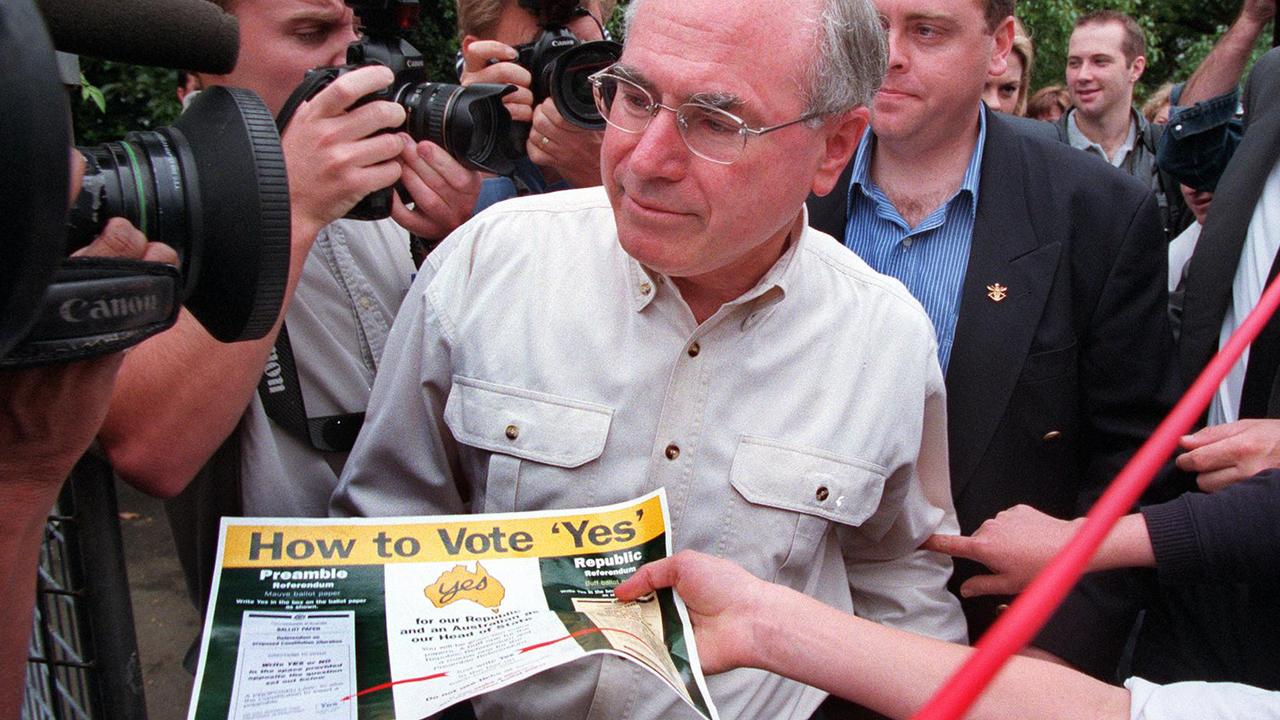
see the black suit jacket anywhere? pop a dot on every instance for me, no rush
(1052, 388)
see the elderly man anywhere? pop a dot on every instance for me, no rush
(683, 328)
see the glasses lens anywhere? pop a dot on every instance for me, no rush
(712, 133)
(623, 104)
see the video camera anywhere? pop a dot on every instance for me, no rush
(561, 63)
(470, 123)
(212, 186)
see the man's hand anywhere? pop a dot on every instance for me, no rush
(722, 599)
(1224, 454)
(444, 192)
(571, 151)
(489, 61)
(335, 155)
(49, 415)
(1016, 544)
(1258, 11)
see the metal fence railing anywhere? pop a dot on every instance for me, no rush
(83, 661)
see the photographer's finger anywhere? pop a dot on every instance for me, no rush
(119, 239)
(372, 150)
(413, 220)
(502, 73)
(160, 253)
(447, 167)
(479, 54)
(342, 93)
(373, 118)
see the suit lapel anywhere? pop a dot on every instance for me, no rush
(992, 338)
(1212, 269)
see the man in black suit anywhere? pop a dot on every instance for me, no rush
(1054, 341)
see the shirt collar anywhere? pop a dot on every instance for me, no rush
(643, 283)
(861, 177)
(1080, 141)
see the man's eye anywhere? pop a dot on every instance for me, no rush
(711, 123)
(634, 100)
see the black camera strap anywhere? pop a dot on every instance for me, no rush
(280, 388)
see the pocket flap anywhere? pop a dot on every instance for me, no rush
(839, 489)
(526, 424)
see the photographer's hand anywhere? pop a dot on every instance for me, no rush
(489, 61)
(571, 151)
(443, 191)
(334, 153)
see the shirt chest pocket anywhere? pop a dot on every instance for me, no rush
(544, 447)
(788, 498)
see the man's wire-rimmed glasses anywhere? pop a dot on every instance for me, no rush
(709, 132)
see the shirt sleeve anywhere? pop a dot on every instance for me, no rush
(1227, 536)
(1200, 701)
(405, 461)
(1200, 140)
(891, 579)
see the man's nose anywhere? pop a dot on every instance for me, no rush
(660, 150)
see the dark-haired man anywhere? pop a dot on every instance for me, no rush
(1046, 295)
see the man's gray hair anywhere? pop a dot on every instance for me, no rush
(851, 61)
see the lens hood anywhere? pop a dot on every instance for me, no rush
(35, 133)
(237, 199)
(569, 87)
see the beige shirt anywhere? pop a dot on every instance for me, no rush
(800, 430)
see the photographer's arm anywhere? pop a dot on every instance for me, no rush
(48, 416)
(181, 393)
(742, 621)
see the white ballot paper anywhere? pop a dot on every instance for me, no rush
(288, 664)
(383, 618)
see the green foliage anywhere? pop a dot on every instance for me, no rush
(1179, 34)
(133, 98)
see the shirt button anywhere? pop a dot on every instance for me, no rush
(694, 349)
(645, 288)
(366, 302)
(673, 451)
(1051, 436)
(822, 493)
(513, 432)
(907, 242)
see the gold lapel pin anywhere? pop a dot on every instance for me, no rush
(997, 292)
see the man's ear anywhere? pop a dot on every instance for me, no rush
(1001, 46)
(1137, 68)
(843, 133)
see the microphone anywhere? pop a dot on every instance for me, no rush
(180, 34)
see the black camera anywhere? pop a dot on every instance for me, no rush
(560, 63)
(213, 187)
(470, 123)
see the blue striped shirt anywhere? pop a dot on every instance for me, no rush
(929, 259)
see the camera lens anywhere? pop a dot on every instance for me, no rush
(213, 187)
(570, 88)
(470, 123)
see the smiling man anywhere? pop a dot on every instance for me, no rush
(681, 327)
(1105, 59)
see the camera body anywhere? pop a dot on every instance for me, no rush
(469, 123)
(560, 63)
